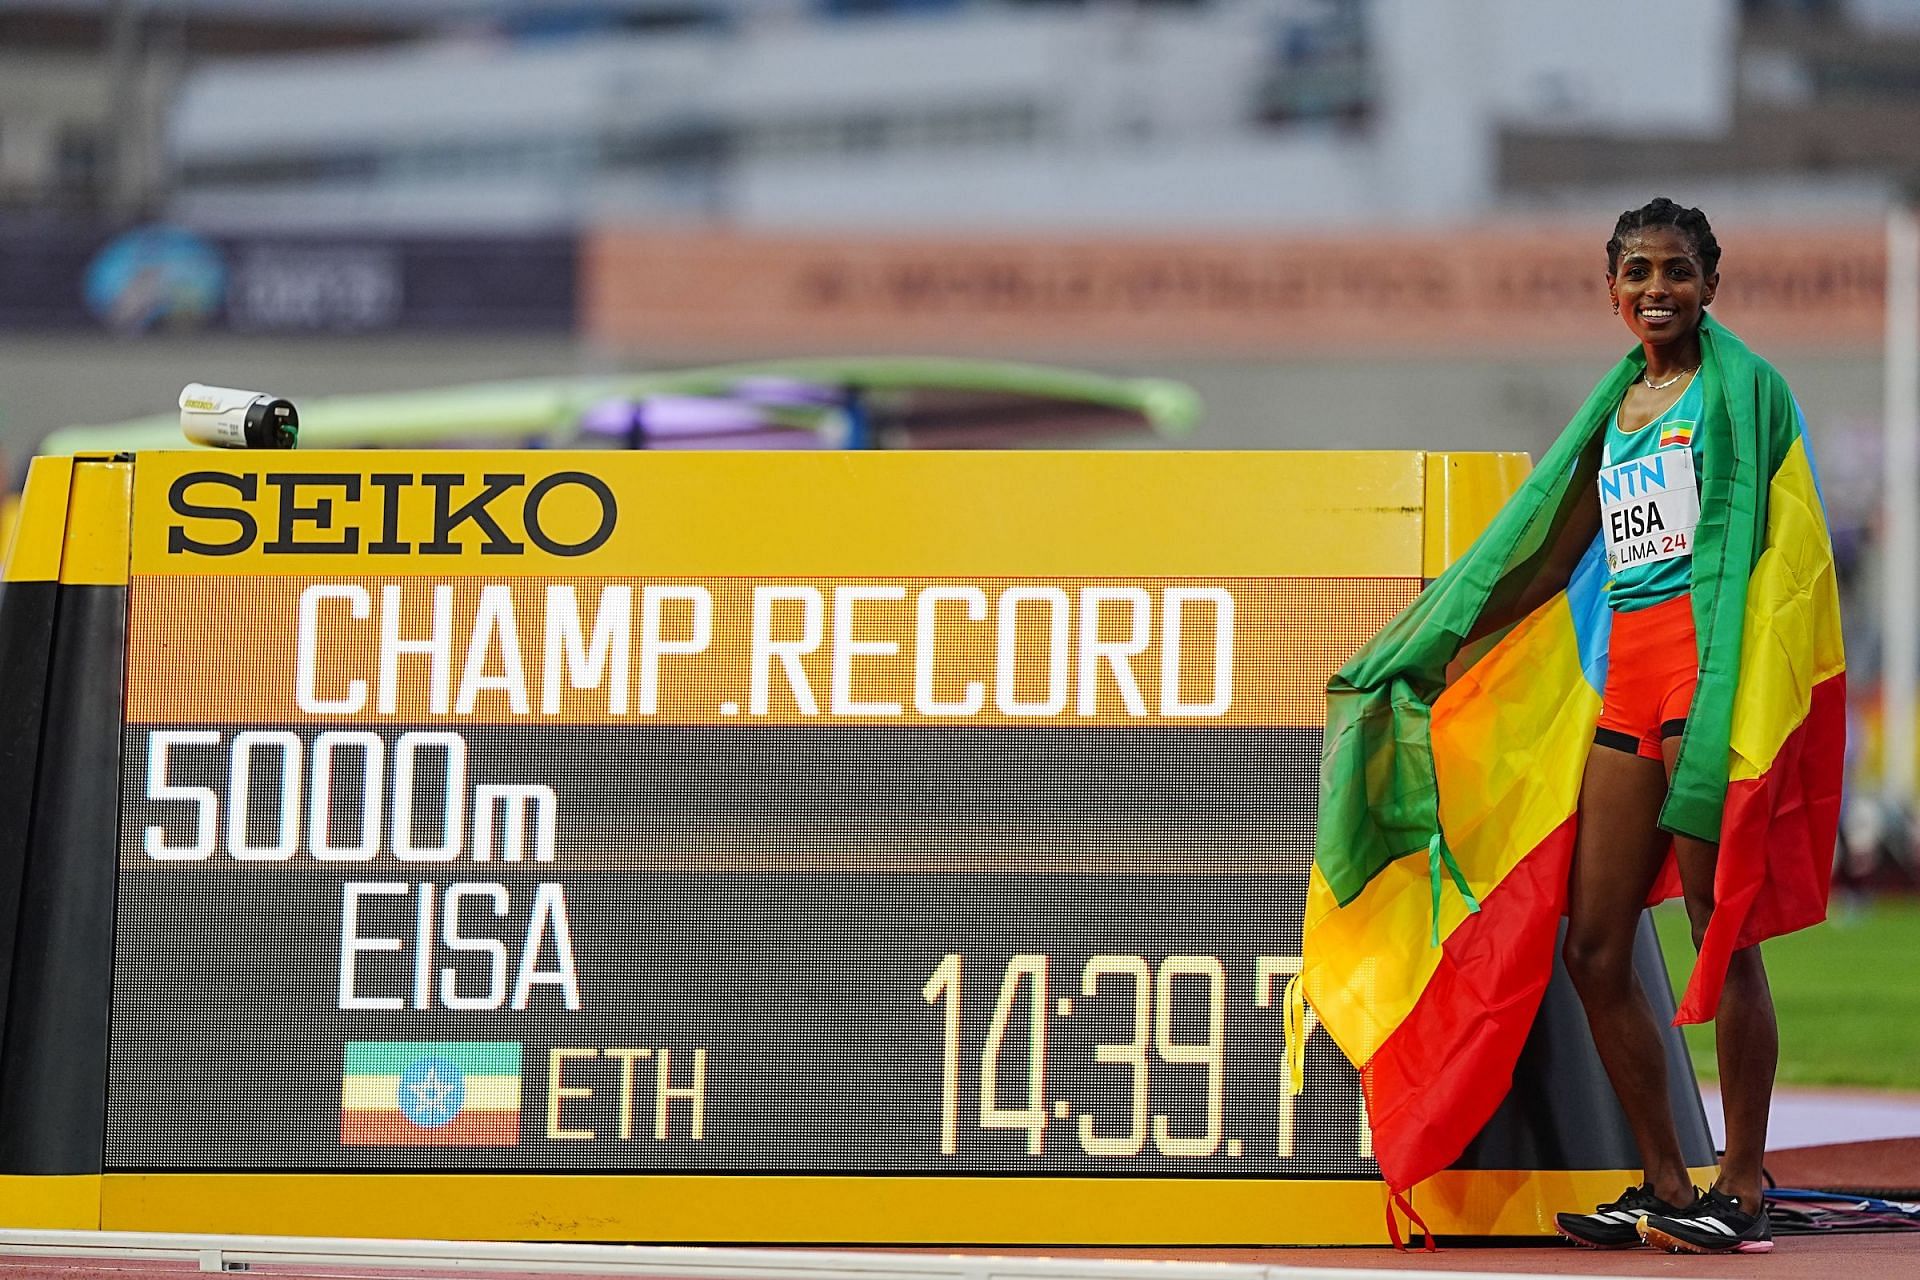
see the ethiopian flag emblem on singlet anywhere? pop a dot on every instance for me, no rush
(1676, 435)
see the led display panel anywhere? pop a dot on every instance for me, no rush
(908, 814)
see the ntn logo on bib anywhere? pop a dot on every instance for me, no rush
(1639, 477)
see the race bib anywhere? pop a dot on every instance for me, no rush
(1648, 509)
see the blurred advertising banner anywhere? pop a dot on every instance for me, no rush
(161, 278)
(1522, 288)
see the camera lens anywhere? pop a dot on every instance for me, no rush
(272, 424)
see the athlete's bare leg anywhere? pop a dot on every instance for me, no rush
(1746, 1036)
(1617, 854)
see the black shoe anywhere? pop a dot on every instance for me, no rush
(1715, 1224)
(1616, 1225)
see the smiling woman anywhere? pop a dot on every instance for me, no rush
(1629, 689)
(1662, 274)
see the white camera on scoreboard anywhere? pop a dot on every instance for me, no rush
(230, 418)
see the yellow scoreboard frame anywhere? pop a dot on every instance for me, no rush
(245, 587)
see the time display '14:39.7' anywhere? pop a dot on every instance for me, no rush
(1173, 1018)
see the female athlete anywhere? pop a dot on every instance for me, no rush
(1662, 273)
(1630, 688)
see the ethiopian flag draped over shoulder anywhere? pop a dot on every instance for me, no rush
(1457, 737)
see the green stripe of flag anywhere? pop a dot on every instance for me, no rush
(392, 1057)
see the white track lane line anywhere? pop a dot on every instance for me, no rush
(660, 1262)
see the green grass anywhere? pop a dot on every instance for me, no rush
(1847, 993)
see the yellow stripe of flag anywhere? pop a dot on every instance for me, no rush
(1793, 612)
(382, 1093)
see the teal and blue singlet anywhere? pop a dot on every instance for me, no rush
(1650, 503)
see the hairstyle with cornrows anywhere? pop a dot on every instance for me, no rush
(1662, 212)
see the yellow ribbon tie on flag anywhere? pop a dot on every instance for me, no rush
(1293, 1040)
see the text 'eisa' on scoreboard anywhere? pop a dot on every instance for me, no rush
(569, 812)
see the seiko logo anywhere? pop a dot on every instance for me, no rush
(325, 513)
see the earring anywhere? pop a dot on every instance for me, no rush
(1616, 306)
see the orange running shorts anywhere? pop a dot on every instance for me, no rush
(1653, 665)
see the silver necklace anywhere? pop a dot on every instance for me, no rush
(1662, 386)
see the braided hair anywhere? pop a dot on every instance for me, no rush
(1662, 212)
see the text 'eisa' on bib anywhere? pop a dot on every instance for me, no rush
(1648, 508)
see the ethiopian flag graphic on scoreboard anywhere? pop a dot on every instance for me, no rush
(1457, 740)
(430, 1093)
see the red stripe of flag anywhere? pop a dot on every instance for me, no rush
(1428, 1088)
(393, 1129)
(1776, 847)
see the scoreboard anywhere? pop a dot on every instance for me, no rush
(926, 821)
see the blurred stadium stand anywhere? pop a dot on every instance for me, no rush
(1237, 112)
(1818, 104)
(517, 114)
